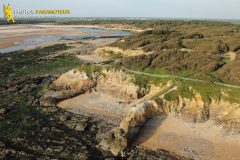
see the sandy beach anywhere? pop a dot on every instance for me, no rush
(14, 35)
(200, 141)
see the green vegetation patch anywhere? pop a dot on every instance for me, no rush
(178, 46)
(35, 62)
(207, 91)
(21, 76)
(89, 68)
(111, 55)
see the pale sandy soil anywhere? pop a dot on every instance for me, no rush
(91, 58)
(231, 55)
(202, 141)
(113, 27)
(96, 103)
(94, 58)
(101, 42)
(12, 41)
(103, 51)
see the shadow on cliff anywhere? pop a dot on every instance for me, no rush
(148, 130)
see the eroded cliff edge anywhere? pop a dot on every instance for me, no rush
(139, 104)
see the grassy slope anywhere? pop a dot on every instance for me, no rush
(207, 44)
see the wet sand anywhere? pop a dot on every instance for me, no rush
(18, 37)
(16, 34)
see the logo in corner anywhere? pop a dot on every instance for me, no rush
(8, 13)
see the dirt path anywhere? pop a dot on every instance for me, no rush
(91, 58)
(200, 141)
(182, 78)
(231, 55)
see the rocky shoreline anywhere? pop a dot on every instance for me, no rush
(53, 133)
(30, 131)
(75, 100)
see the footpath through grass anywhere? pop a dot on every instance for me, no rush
(207, 89)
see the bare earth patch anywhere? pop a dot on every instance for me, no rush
(96, 103)
(231, 55)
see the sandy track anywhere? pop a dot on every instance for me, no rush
(231, 55)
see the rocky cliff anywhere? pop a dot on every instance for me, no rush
(121, 84)
(68, 85)
(147, 104)
(195, 109)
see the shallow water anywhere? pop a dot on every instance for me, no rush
(91, 33)
(30, 42)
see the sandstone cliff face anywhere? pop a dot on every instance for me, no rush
(119, 138)
(137, 116)
(73, 79)
(106, 52)
(75, 82)
(122, 83)
(219, 110)
(195, 109)
(225, 112)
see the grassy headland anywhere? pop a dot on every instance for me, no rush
(187, 49)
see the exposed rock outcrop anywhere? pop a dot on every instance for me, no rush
(68, 85)
(130, 126)
(73, 79)
(107, 52)
(226, 113)
(122, 83)
(75, 82)
(194, 109)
